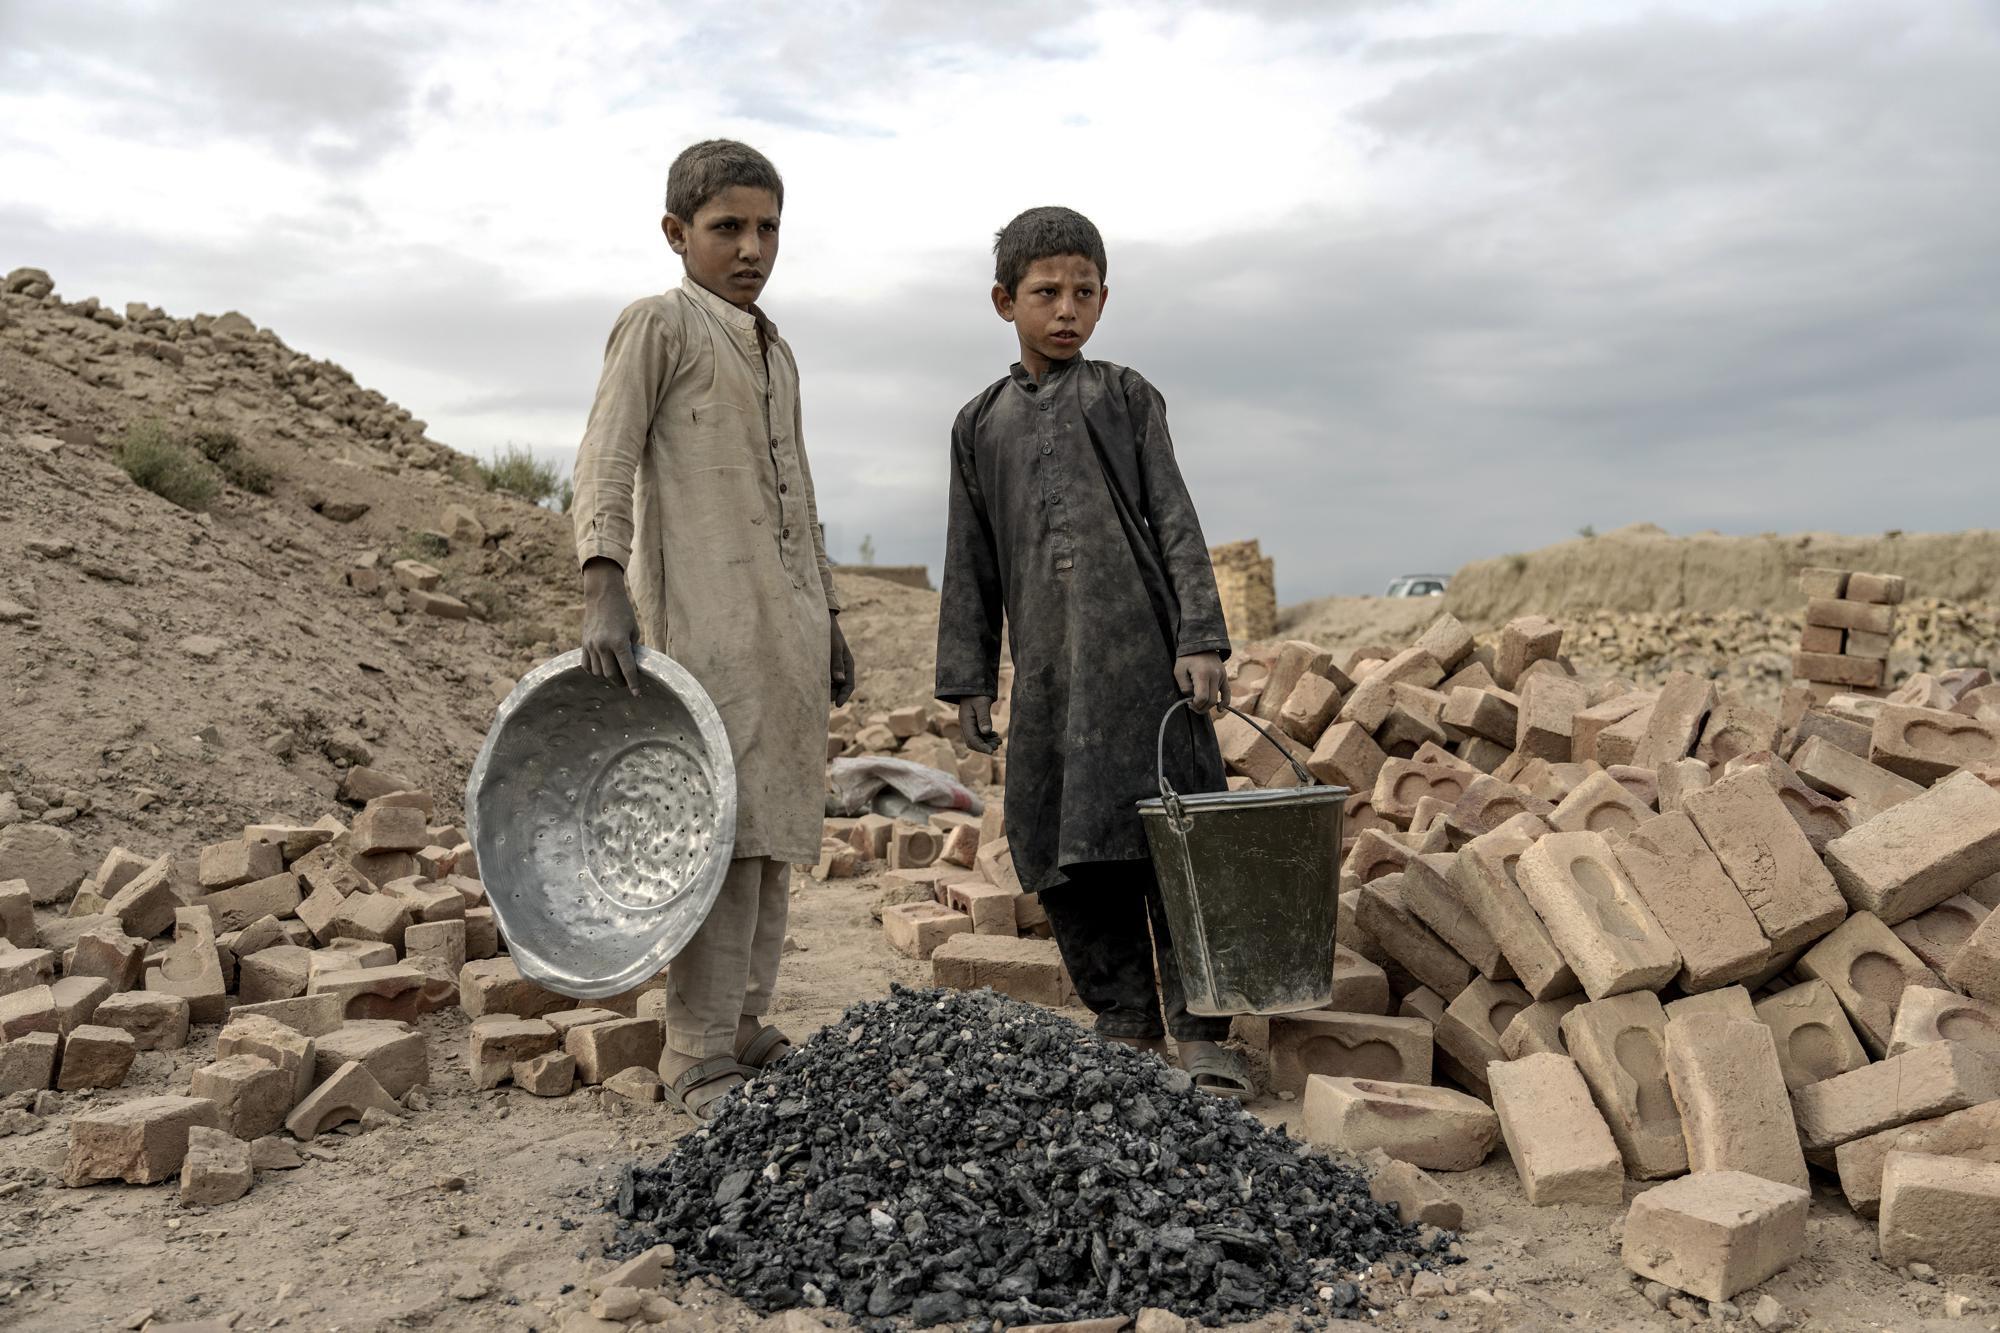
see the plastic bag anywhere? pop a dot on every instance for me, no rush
(856, 781)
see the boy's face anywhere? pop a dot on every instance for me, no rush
(1054, 310)
(730, 244)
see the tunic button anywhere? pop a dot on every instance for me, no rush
(782, 488)
(786, 533)
(1046, 404)
(1048, 448)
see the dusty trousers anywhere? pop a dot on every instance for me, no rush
(1111, 926)
(730, 967)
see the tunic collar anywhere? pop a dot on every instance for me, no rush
(751, 320)
(1057, 371)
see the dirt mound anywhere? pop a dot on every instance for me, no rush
(175, 674)
(1642, 568)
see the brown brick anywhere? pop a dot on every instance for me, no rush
(1837, 613)
(110, 955)
(274, 1043)
(1826, 767)
(602, 1049)
(1975, 968)
(1936, 936)
(1598, 718)
(1735, 1113)
(1941, 1211)
(1523, 642)
(1728, 1002)
(1620, 1045)
(1823, 639)
(916, 929)
(394, 1053)
(1819, 817)
(1768, 858)
(252, 1096)
(1402, 783)
(1912, 857)
(1916, 1085)
(94, 1056)
(1715, 1233)
(1812, 1034)
(1685, 888)
(1538, 1028)
(1296, 658)
(1414, 722)
(1377, 853)
(1867, 968)
(145, 903)
(1621, 742)
(1311, 706)
(424, 900)
(1322, 1041)
(990, 907)
(1416, 1195)
(224, 865)
(1435, 1128)
(1927, 744)
(1561, 1147)
(1027, 969)
(1446, 642)
(1473, 1022)
(1359, 986)
(142, 1141)
(1599, 804)
(1735, 727)
(1877, 646)
(1491, 714)
(24, 969)
(1675, 726)
(28, 1062)
(1604, 930)
(1817, 582)
(156, 1022)
(1926, 1015)
(1489, 803)
(1887, 588)
(496, 986)
(1835, 731)
(191, 968)
(1547, 717)
(1386, 916)
(312, 1015)
(1972, 1134)
(348, 1095)
(1429, 891)
(912, 847)
(390, 991)
(1484, 872)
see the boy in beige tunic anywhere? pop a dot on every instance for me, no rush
(698, 534)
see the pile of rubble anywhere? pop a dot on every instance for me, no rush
(196, 366)
(957, 1157)
(1658, 933)
(314, 950)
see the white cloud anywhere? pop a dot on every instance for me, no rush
(1420, 281)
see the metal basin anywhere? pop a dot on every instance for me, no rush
(604, 823)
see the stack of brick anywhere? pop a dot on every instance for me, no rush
(923, 734)
(1245, 582)
(1713, 940)
(1850, 628)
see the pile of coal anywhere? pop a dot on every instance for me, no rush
(944, 1156)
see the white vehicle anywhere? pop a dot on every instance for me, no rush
(1418, 585)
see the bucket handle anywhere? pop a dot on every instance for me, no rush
(1171, 798)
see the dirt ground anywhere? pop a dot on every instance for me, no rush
(485, 1211)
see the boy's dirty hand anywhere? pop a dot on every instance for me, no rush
(975, 724)
(841, 663)
(610, 627)
(1200, 675)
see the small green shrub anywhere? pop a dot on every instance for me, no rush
(517, 471)
(1517, 563)
(163, 465)
(565, 497)
(416, 544)
(222, 448)
(1586, 532)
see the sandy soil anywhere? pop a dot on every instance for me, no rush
(478, 1212)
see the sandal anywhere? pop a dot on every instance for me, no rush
(1216, 1069)
(710, 1073)
(765, 1049)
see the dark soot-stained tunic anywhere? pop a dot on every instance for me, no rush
(1068, 510)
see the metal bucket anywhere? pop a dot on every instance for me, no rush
(604, 821)
(1251, 881)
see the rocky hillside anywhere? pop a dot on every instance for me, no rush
(172, 673)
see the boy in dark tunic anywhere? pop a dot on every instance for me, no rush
(1069, 518)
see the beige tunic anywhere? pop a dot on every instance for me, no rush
(692, 476)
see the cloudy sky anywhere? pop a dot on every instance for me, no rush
(1421, 282)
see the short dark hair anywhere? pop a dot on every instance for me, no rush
(1043, 233)
(706, 169)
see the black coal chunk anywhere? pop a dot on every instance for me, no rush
(947, 1156)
